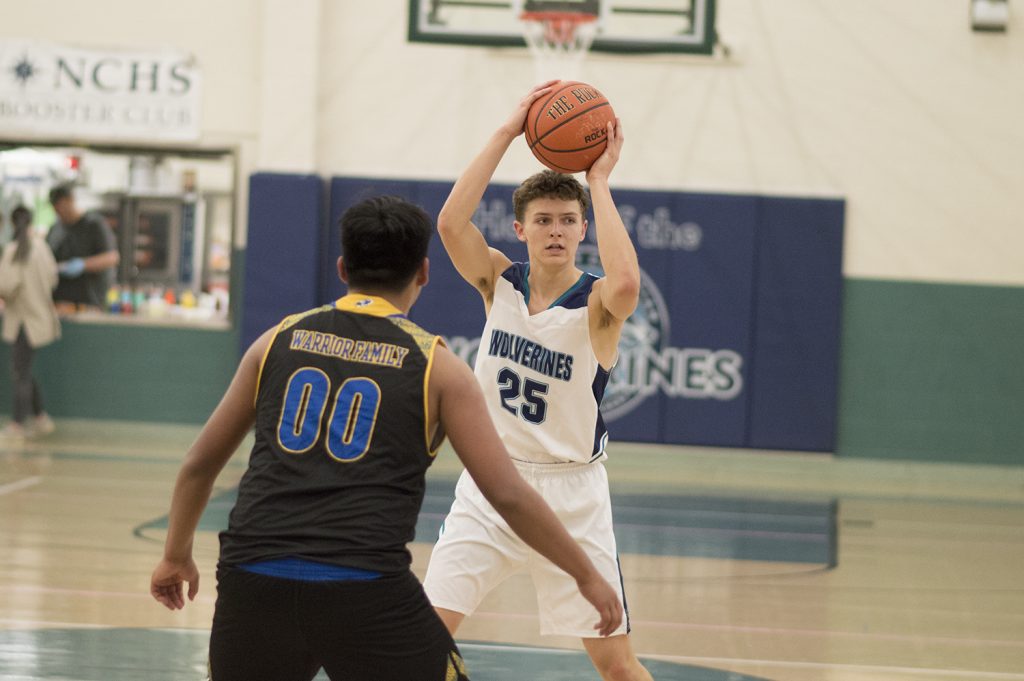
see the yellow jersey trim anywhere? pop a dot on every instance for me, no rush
(263, 360)
(366, 304)
(424, 339)
(426, 342)
(426, 399)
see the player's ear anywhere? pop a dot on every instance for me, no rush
(520, 232)
(583, 234)
(342, 272)
(423, 275)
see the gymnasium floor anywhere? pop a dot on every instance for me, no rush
(738, 566)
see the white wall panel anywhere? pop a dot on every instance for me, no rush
(896, 106)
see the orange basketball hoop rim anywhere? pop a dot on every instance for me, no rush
(558, 28)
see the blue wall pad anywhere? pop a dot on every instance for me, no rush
(284, 250)
(798, 309)
(736, 337)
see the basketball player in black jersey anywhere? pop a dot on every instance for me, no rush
(350, 403)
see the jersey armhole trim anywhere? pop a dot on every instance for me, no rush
(263, 360)
(427, 439)
(590, 340)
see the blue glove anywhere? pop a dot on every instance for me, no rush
(71, 268)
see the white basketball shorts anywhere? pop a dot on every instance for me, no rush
(476, 550)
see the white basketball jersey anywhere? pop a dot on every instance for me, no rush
(541, 380)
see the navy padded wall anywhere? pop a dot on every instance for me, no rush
(283, 255)
(798, 306)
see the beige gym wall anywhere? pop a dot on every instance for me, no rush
(898, 107)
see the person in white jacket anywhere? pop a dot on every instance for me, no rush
(28, 275)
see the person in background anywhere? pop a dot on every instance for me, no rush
(28, 273)
(86, 253)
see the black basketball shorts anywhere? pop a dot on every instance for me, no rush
(274, 629)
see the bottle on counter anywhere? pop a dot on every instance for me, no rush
(114, 299)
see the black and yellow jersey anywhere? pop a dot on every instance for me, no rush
(336, 474)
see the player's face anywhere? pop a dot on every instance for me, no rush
(552, 230)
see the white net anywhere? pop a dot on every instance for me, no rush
(559, 42)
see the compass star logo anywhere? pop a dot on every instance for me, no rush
(24, 70)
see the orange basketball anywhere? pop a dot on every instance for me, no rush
(567, 129)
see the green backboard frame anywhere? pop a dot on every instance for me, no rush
(625, 26)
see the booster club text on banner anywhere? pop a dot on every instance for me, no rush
(50, 91)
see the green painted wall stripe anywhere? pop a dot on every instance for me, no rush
(134, 373)
(932, 372)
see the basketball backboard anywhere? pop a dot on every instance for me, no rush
(625, 26)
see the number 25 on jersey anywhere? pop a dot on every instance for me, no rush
(511, 386)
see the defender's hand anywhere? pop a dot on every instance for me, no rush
(166, 583)
(602, 167)
(603, 597)
(516, 123)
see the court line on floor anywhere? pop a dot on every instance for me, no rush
(131, 454)
(19, 485)
(696, 529)
(46, 623)
(873, 668)
(947, 640)
(93, 593)
(658, 624)
(706, 661)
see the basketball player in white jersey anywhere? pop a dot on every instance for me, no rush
(549, 343)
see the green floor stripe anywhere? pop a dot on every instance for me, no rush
(658, 525)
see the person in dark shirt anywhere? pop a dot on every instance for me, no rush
(350, 403)
(86, 253)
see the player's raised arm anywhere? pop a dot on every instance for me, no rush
(463, 415)
(217, 441)
(620, 288)
(466, 246)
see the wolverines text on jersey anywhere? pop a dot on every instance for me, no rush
(541, 379)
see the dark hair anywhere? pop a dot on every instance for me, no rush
(547, 184)
(62, 191)
(21, 218)
(384, 240)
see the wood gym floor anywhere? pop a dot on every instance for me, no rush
(739, 566)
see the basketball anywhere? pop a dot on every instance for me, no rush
(567, 129)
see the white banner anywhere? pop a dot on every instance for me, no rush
(56, 92)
